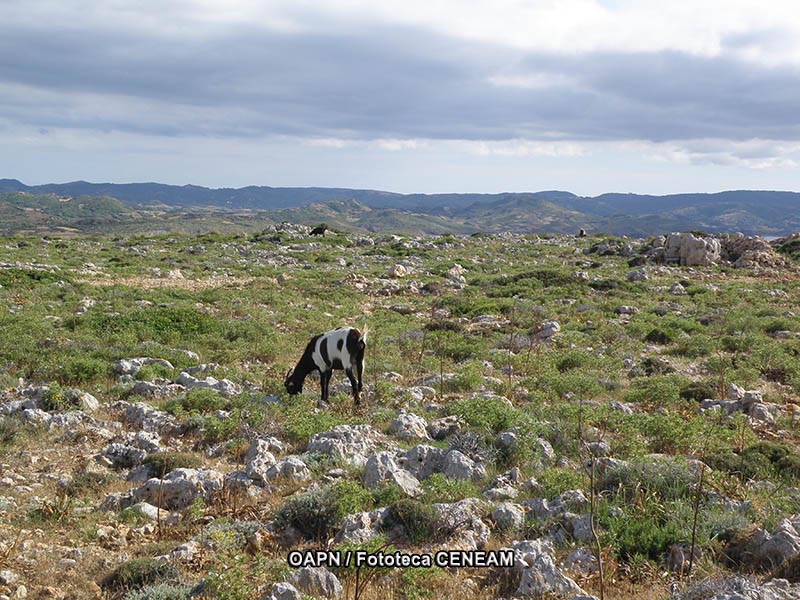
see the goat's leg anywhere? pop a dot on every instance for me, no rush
(359, 373)
(324, 380)
(354, 385)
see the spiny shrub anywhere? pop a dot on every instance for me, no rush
(573, 359)
(472, 445)
(58, 399)
(9, 430)
(698, 390)
(646, 535)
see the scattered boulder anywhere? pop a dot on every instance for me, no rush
(539, 575)
(349, 443)
(361, 527)
(283, 591)
(291, 468)
(441, 428)
(316, 582)
(508, 515)
(397, 271)
(547, 330)
(689, 250)
(738, 588)
(461, 524)
(761, 549)
(259, 461)
(223, 386)
(131, 366)
(408, 426)
(637, 275)
(382, 468)
(179, 488)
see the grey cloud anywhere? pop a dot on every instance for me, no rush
(378, 82)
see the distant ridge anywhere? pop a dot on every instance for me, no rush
(761, 212)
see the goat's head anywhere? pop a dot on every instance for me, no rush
(291, 384)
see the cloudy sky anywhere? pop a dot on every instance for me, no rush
(589, 96)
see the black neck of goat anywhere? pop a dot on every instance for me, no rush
(338, 349)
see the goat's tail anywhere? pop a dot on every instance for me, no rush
(363, 338)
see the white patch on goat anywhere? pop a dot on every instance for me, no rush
(333, 338)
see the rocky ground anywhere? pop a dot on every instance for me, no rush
(587, 404)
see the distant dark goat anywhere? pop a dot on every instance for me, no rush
(341, 348)
(319, 229)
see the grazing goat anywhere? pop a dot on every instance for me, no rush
(341, 348)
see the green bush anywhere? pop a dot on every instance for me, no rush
(658, 390)
(139, 572)
(491, 414)
(698, 390)
(759, 461)
(645, 535)
(440, 488)
(58, 399)
(161, 591)
(197, 400)
(230, 535)
(418, 519)
(554, 480)
(9, 430)
(314, 513)
(660, 335)
(667, 478)
(80, 369)
(87, 483)
(166, 461)
(574, 359)
(152, 372)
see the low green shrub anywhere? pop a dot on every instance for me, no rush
(667, 478)
(490, 414)
(761, 460)
(165, 461)
(440, 488)
(161, 591)
(418, 519)
(87, 483)
(139, 572)
(317, 512)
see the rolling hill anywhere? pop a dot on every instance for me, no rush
(140, 206)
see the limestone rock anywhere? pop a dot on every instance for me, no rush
(259, 460)
(179, 488)
(382, 468)
(349, 443)
(408, 426)
(291, 468)
(316, 582)
(508, 515)
(539, 575)
(361, 527)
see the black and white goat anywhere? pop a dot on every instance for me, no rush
(341, 348)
